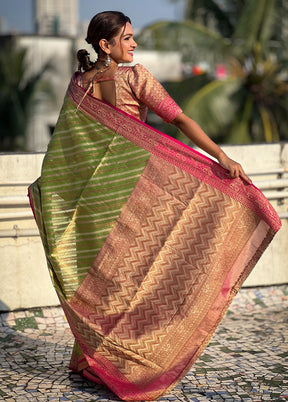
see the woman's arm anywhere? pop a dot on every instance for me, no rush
(191, 129)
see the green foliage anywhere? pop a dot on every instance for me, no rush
(17, 95)
(181, 92)
(250, 37)
(188, 37)
(215, 14)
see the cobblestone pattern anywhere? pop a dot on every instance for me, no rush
(247, 359)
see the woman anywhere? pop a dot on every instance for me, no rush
(119, 49)
(147, 241)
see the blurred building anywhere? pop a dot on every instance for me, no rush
(60, 53)
(56, 17)
(3, 25)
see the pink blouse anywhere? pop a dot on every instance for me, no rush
(137, 90)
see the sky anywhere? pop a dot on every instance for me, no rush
(17, 15)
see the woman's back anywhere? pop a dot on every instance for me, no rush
(102, 85)
(132, 90)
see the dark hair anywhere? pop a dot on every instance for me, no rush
(84, 62)
(105, 25)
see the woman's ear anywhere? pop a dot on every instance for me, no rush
(104, 46)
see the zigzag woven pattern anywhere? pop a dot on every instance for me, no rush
(179, 235)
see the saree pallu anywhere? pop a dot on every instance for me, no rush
(147, 242)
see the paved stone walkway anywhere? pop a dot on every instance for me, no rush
(247, 359)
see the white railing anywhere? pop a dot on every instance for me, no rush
(273, 189)
(9, 210)
(17, 232)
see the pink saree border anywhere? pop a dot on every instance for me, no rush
(106, 371)
(29, 195)
(175, 152)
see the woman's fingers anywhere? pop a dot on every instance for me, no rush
(235, 170)
(245, 177)
(238, 171)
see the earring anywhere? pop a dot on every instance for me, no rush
(107, 61)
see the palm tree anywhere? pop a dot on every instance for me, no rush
(251, 104)
(17, 96)
(219, 15)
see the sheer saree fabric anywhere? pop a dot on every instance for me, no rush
(147, 242)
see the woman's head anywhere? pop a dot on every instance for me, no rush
(109, 33)
(105, 25)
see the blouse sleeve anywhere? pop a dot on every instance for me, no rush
(150, 92)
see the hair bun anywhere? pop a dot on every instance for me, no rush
(81, 54)
(84, 62)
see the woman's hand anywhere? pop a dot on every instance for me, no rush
(235, 169)
(191, 129)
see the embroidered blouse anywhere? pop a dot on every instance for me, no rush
(137, 90)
